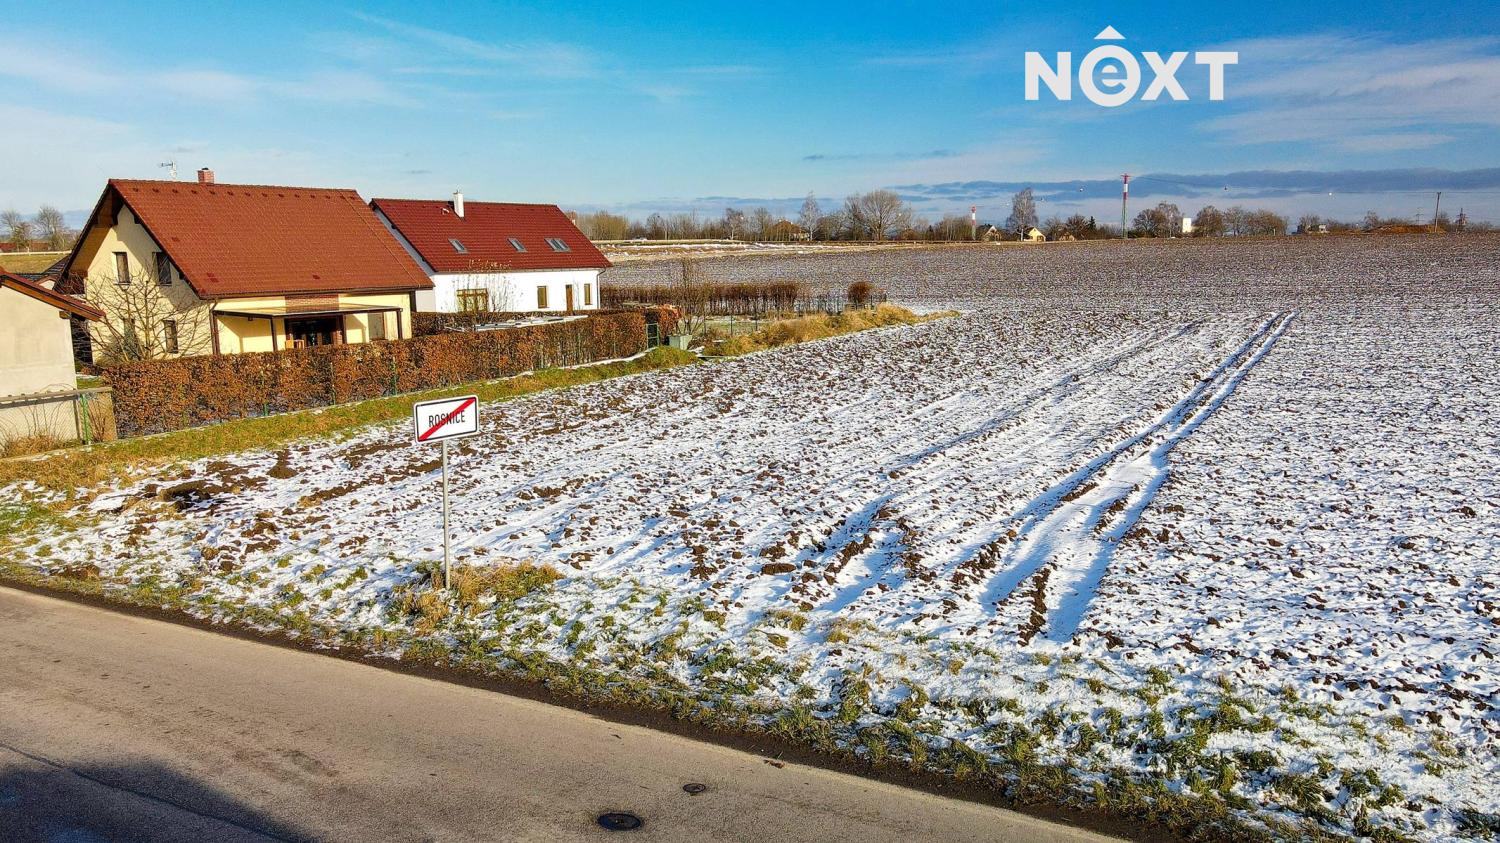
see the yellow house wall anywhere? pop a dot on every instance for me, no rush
(172, 301)
(239, 335)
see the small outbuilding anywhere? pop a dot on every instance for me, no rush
(1035, 235)
(37, 374)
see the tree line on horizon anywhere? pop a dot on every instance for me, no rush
(884, 215)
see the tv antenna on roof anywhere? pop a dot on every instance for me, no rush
(171, 166)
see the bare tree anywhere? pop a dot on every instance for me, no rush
(734, 221)
(602, 225)
(761, 221)
(1162, 221)
(51, 228)
(809, 215)
(954, 227)
(146, 319)
(485, 287)
(692, 297)
(1022, 213)
(876, 215)
(18, 229)
(1209, 222)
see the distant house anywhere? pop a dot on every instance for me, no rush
(495, 256)
(786, 231)
(182, 268)
(36, 358)
(990, 232)
(1035, 235)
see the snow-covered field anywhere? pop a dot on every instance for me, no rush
(1206, 527)
(635, 251)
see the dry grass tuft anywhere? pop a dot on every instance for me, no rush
(35, 444)
(505, 582)
(821, 326)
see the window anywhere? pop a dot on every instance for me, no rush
(588, 294)
(377, 326)
(163, 269)
(457, 246)
(516, 242)
(122, 268)
(473, 301)
(169, 334)
(558, 245)
(541, 298)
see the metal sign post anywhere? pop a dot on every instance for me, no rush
(439, 421)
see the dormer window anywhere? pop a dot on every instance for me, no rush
(558, 245)
(458, 246)
(516, 243)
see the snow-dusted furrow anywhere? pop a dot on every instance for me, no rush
(1057, 524)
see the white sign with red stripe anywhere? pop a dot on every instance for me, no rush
(450, 418)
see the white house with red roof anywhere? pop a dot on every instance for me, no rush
(495, 256)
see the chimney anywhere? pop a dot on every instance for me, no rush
(205, 176)
(458, 204)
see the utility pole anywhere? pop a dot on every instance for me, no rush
(1125, 206)
(1435, 207)
(973, 222)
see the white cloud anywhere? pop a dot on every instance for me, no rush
(1360, 93)
(52, 68)
(207, 84)
(963, 58)
(539, 58)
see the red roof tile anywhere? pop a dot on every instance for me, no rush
(485, 230)
(247, 240)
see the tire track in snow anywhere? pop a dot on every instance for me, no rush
(1027, 540)
(861, 551)
(1068, 532)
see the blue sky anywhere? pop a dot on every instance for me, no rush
(696, 105)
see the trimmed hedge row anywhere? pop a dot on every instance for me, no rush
(428, 324)
(161, 395)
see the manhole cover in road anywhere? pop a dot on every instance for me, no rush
(619, 821)
(694, 788)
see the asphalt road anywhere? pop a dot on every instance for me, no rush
(121, 728)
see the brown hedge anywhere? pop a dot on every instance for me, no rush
(160, 395)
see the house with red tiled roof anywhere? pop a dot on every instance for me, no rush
(496, 256)
(183, 268)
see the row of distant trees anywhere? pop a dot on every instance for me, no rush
(1165, 220)
(884, 215)
(47, 227)
(876, 215)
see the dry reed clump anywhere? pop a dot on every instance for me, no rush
(30, 444)
(429, 607)
(821, 326)
(506, 582)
